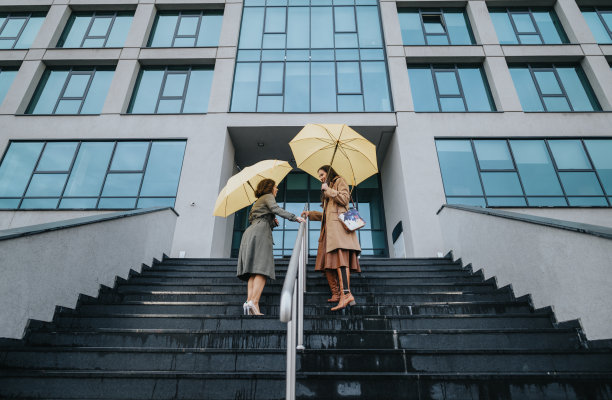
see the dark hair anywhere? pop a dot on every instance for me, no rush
(331, 173)
(331, 176)
(264, 187)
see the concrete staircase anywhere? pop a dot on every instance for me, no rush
(421, 329)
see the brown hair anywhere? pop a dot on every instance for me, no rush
(331, 173)
(264, 187)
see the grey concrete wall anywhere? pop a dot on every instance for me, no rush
(567, 270)
(593, 216)
(51, 269)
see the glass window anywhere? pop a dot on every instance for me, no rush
(299, 189)
(527, 172)
(7, 75)
(71, 91)
(527, 26)
(96, 29)
(553, 88)
(321, 58)
(91, 174)
(172, 90)
(449, 88)
(435, 26)
(600, 22)
(18, 30)
(186, 29)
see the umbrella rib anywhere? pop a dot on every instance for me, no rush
(314, 153)
(350, 163)
(328, 132)
(311, 138)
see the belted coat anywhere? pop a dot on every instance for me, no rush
(337, 201)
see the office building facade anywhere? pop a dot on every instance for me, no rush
(113, 105)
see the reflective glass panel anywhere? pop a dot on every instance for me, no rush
(452, 104)
(528, 94)
(323, 87)
(38, 204)
(298, 27)
(48, 92)
(163, 169)
(349, 77)
(297, 92)
(271, 81)
(6, 80)
(30, 31)
(588, 201)
(493, 154)
(46, 185)
(210, 28)
(523, 22)
(17, 166)
(601, 154)
(506, 201)
(580, 184)
(548, 82)
(597, 27)
(569, 154)
(535, 166)
(244, 97)
(475, 89)
(147, 91)
(122, 185)
(458, 27)
(198, 91)
(556, 104)
(89, 169)
(578, 89)
(76, 85)
(129, 156)
(468, 201)
(433, 23)
(344, 18)
(57, 156)
(145, 202)
(410, 23)
(458, 167)
(423, 90)
(174, 85)
(547, 201)
(78, 203)
(503, 27)
(117, 203)
(98, 90)
(501, 184)
(447, 83)
(549, 27)
(375, 86)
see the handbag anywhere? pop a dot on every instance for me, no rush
(351, 220)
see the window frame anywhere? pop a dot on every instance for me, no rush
(26, 16)
(72, 70)
(510, 11)
(599, 13)
(536, 67)
(525, 196)
(427, 11)
(335, 58)
(433, 68)
(181, 14)
(168, 70)
(93, 16)
(69, 171)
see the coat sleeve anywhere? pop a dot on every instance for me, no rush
(315, 215)
(340, 194)
(275, 208)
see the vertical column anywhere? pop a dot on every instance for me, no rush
(599, 73)
(495, 66)
(396, 58)
(221, 89)
(573, 22)
(24, 85)
(119, 93)
(52, 27)
(141, 26)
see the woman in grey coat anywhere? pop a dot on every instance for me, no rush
(255, 258)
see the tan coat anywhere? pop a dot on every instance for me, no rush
(337, 201)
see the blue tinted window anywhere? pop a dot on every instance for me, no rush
(435, 26)
(97, 29)
(310, 59)
(71, 91)
(172, 90)
(600, 22)
(18, 30)
(90, 174)
(553, 88)
(548, 173)
(7, 75)
(458, 167)
(527, 26)
(450, 88)
(186, 29)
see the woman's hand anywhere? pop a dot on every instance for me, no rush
(300, 219)
(324, 187)
(276, 223)
(305, 214)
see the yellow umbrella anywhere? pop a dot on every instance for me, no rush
(239, 192)
(338, 145)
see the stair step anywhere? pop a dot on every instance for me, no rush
(236, 288)
(202, 321)
(448, 361)
(235, 308)
(314, 297)
(465, 339)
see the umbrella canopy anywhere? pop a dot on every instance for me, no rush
(338, 145)
(239, 192)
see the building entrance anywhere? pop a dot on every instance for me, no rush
(300, 188)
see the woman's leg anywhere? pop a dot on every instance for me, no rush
(332, 281)
(250, 288)
(259, 282)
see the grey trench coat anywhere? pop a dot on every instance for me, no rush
(255, 254)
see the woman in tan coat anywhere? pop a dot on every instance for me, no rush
(338, 248)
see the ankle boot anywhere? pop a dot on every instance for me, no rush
(333, 286)
(346, 297)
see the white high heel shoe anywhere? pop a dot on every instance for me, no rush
(253, 310)
(246, 308)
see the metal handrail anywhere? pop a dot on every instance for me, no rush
(292, 304)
